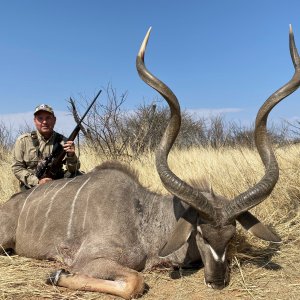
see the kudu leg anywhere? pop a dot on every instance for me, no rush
(123, 282)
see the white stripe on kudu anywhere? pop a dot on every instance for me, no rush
(33, 189)
(215, 255)
(50, 205)
(73, 207)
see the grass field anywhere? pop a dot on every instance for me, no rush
(259, 270)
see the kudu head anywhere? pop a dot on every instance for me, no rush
(210, 218)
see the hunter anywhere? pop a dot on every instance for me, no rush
(32, 148)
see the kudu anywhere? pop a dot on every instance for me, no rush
(105, 227)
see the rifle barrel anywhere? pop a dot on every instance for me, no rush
(77, 128)
(94, 100)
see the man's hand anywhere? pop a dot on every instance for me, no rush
(69, 147)
(44, 180)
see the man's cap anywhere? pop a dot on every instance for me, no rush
(44, 107)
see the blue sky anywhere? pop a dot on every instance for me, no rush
(216, 55)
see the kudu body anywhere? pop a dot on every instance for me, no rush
(105, 227)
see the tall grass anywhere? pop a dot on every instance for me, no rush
(229, 171)
(8, 182)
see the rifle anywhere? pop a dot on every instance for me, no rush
(51, 166)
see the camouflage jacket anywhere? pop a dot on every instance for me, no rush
(26, 157)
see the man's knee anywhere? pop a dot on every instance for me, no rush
(23, 187)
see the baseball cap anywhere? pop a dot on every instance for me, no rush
(44, 107)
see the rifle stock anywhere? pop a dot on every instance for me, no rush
(53, 163)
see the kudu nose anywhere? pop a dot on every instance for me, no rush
(216, 286)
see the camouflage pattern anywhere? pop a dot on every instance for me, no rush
(44, 107)
(26, 157)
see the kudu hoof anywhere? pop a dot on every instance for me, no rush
(54, 276)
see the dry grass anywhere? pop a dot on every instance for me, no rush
(259, 270)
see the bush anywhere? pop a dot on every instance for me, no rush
(117, 133)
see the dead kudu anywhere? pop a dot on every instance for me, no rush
(106, 227)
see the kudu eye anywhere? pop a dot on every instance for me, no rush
(205, 240)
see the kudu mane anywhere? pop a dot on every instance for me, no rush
(199, 183)
(122, 167)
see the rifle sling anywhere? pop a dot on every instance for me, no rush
(36, 143)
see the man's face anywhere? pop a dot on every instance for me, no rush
(44, 123)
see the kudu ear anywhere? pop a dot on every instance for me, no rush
(181, 233)
(253, 225)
